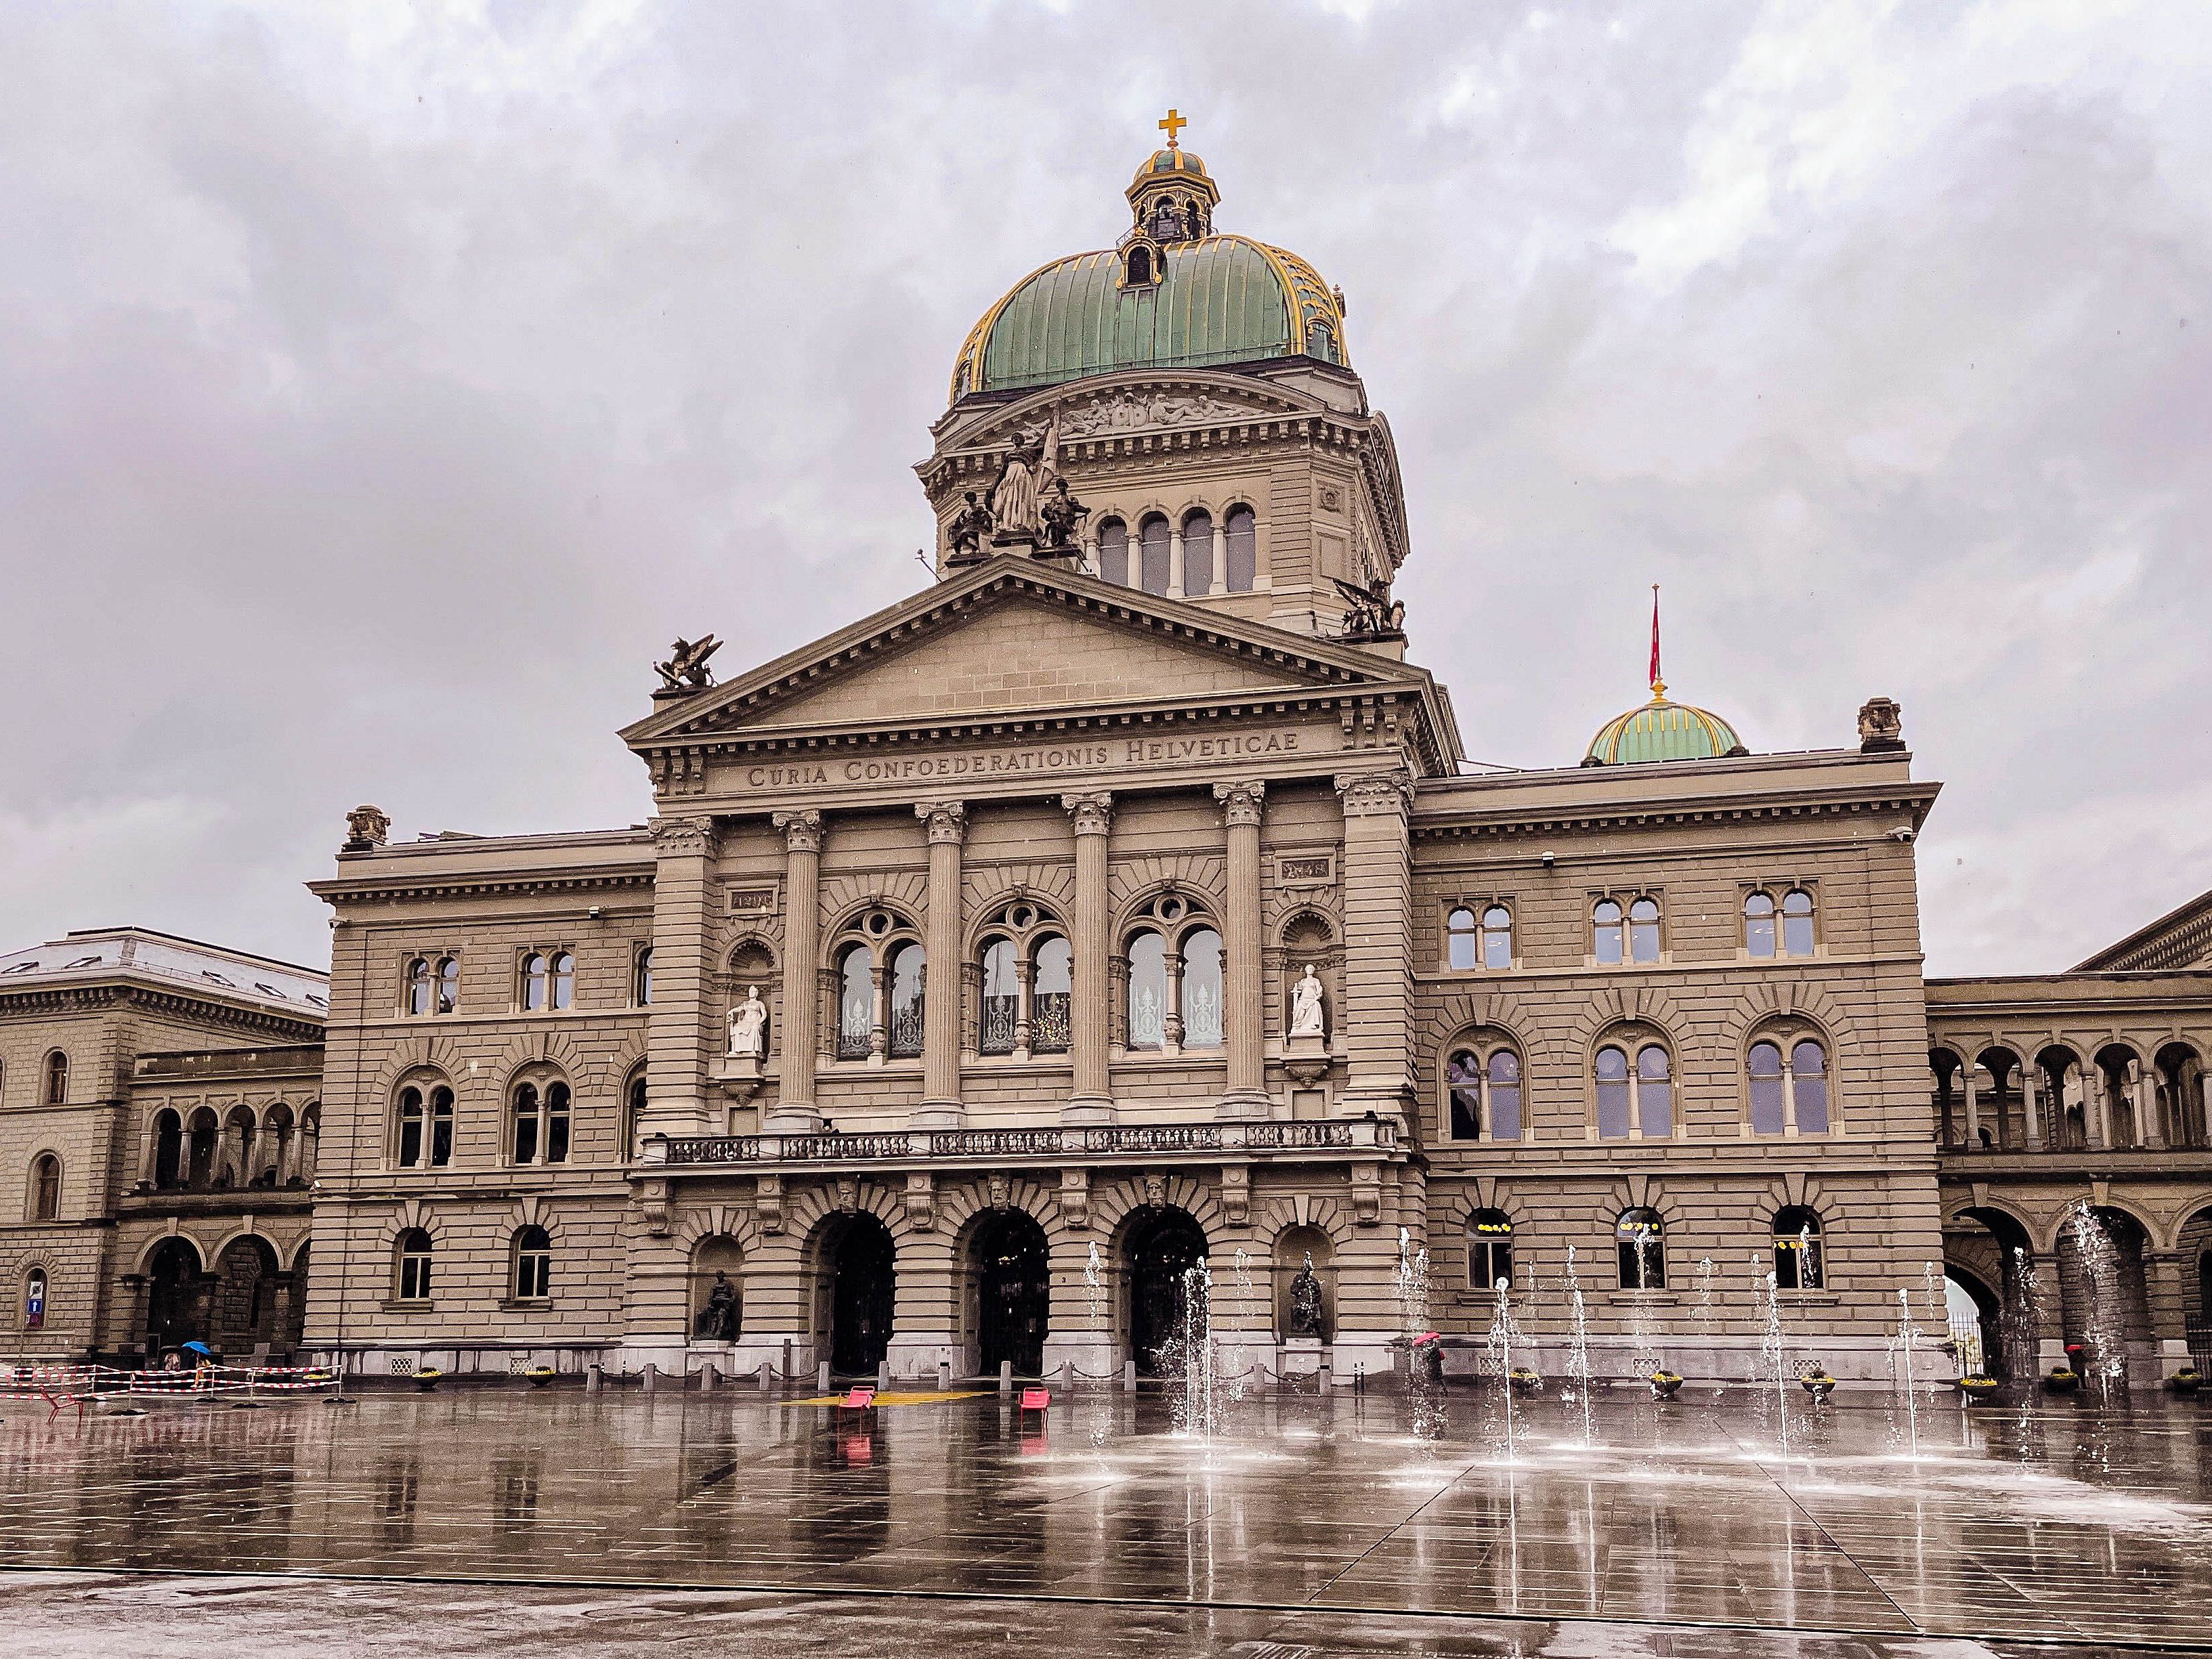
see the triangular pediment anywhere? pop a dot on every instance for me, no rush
(1017, 638)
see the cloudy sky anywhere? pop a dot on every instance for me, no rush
(381, 389)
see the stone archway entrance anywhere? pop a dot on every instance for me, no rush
(176, 1298)
(1162, 1246)
(1013, 1291)
(858, 1288)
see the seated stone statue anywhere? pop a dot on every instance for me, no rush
(717, 1320)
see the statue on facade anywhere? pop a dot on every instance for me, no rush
(1370, 613)
(1061, 516)
(1014, 498)
(1881, 726)
(717, 1320)
(970, 528)
(366, 829)
(1307, 1013)
(686, 668)
(749, 1027)
(1305, 1302)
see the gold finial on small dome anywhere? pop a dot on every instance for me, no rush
(1173, 126)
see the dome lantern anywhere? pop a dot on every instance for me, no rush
(1661, 729)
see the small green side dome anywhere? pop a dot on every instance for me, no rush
(1174, 159)
(1663, 731)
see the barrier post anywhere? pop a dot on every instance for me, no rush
(766, 1371)
(821, 1377)
(1006, 1378)
(882, 1376)
(652, 1378)
(594, 1377)
(1128, 1376)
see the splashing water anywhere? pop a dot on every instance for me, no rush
(1501, 1334)
(1424, 1393)
(1578, 1371)
(1905, 1356)
(2105, 1361)
(1774, 1350)
(1190, 1352)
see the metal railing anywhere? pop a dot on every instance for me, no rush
(1100, 1140)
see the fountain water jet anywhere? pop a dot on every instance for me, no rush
(1578, 1371)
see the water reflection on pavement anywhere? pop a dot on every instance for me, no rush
(2047, 1521)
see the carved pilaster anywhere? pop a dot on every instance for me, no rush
(1376, 1017)
(946, 823)
(794, 1111)
(1091, 1101)
(1244, 1004)
(681, 1030)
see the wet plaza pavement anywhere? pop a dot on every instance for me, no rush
(1319, 1525)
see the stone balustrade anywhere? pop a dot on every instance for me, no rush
(1056, 1141)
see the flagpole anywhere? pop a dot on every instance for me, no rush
(1658, 685)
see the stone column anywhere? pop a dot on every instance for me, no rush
(1220, 583)
(677, 1035)
(1243, 1017)
(946, 823)
(793, 1112)
(1175, 562)
(2099, 1107)
(1973, 1107)
(1377, 1012)
(2031, 1086)
(2149, 1132)
(1090, 1025)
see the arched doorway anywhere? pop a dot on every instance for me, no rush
(245, 1297)
(858, 1283)
(176, 1298)
(1975, 1315)
(1013, 1291)
(1162, 1246)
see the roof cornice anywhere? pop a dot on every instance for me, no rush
(1470, 823)
(391, 886)
(92, 995)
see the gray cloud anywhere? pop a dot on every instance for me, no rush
(378, 392)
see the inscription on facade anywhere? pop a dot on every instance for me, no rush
(752, 901)
(1030, 763)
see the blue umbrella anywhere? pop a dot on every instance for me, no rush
(199, 1347)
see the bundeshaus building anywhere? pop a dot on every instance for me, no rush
(1120, 903)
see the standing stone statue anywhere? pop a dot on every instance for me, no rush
(1014, 499)
(717, 1320)
(749, 1027)
(1307, 1014)
(1305, 1302)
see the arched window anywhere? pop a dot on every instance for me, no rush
(169, 1150)
(1461, 939)
(1113, 552)
(856, 1002)
(641, 979)
(411, 1126)
(1002, 997)
(1640, 1236)
(534, 987)
(1798, 1256)
(1241, 549)
(1644, 930)
(1797, 923)
(57, 1078)
(411, 1274)
(441, 1126)
(46, 1188)
(1497, 936)
(34, 1300)
(539, 1129)
(636, 1116)
(533, 1264)
(1489, 1249)
(1635, 1100)
(449, 984)
(1137, 269)
(1202, 989)
(1053, 997)
(1152, 538)
(1148, 990)
(1483, 1081)
(1197, 552)
(1611, 938)
(522, 1143)
(1791, 1098)
(564, 979)
(417, 993)
(1758, 925)
(909, 975)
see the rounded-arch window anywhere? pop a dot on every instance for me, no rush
(1644, 930)
(57, 1078)
(642, 978)
(411, 1276)
(34, 1300)
(1002, 996)
(46, 1188)
(1639, 1237)
(1197, 552)
(168, 1150)
(1113, 552)
(1027, 972)
(1136, 268)
(425, 1126)
(1611, 938)
(1797, 923)
(1154, 540)
(535, 981)
(539, 1122)
(1148, 990)
(1635, 1096)
(1482, 1082)
(1241, 548)
(1798, 1258)
(856, 1002)
(1497, 936)
(910, 972)
(1788, 1079)
(1462, 942)
(635, 1117)
(1758, 925)
(564, 979)
(1489, 1249)
(449, 984)
(418, 986)
(1052, 999)
(533, 1264)
(1202, 989)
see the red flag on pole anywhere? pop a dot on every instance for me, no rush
(1658, 687)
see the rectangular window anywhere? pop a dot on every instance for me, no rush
(525, 1137)
(415, 1278)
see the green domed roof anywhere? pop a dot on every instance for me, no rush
(1662, 730)
(1218, 300)
(1174, 159)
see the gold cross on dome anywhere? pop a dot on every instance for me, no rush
(1174, 124)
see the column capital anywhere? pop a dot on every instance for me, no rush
(802, 831)
(1364, 792)
(947, 820)
(1241, 802)
(682, 838)
(1092, 813)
